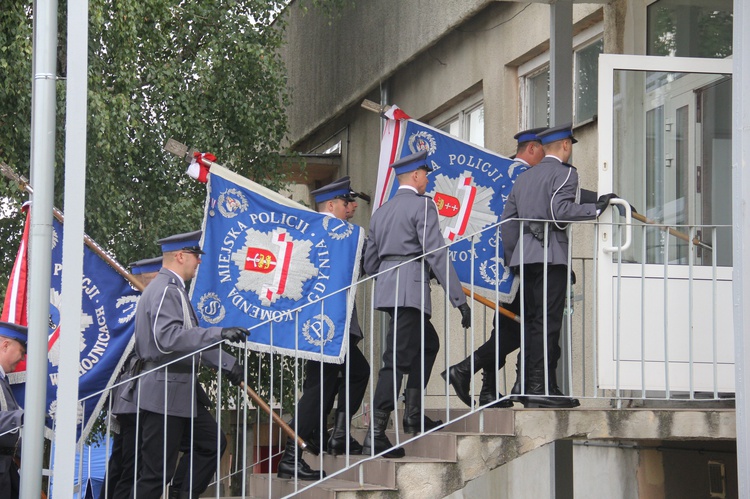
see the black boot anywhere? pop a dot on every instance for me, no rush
(337, 442)
(380, 440)
(517, 390)
(460, 378)
(413, 403)
(536, 397)
(555, 390)
(489, 392)
(288, 465)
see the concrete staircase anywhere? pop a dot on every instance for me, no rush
(443, 462)
(430, 460)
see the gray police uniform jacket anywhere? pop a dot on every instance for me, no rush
(11, 417)
(547, 191)
(120, 404)
(404, 227)
(166, 329)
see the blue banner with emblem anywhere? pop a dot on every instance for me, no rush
(107, 324)
(469, 185)
(281, 270)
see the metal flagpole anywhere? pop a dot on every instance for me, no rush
(40, 242)
(741, 235)
(72, 271)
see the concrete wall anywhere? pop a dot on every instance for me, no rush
(426, 57)
(605, 469)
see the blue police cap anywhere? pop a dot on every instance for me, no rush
(529, 135)
(556, 133)
(412, 162)
(339, 188)
(146, 266)
(14, 331)
(189, 241)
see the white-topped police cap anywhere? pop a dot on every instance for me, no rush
(14, 331)
(412, 162)
(530, 135)
(189, 241)
(147, 265)
(339, 188)
(556, 133)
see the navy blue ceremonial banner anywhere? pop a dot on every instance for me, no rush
(108, 310)
(270, 266)
(469, 185)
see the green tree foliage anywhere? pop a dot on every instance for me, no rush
(205, 73)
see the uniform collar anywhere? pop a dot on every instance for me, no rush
(411, 188)
(553, 156)
(175, 274)
(2, 373)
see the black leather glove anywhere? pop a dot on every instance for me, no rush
(465, 315)
(235, 376)
(603, 201)
(621, 209)
(234, 334)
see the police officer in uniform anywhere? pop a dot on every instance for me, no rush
(332, 200)
(548, 191)
(121, 466)
(166, 329)
(12, 351)
(529, 152)
(403, 228)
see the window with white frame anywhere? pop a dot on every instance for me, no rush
(534, 81)
(464, 120)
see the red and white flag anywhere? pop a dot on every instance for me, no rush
(200, 166)
(14, 309)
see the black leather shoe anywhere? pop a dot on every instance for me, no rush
(459, 376)
(488, 394)
(412, 411)
(337, 442)
(289, 467)
(380, 442)
(537, 398)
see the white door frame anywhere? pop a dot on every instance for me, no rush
(622, 360)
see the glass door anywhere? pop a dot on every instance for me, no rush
(664, 316)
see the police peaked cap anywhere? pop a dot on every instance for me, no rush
(337, 189)
(189, 241)
(14, 331)
(412, 162)
(146, 266)
(530, 135)
(556, 133)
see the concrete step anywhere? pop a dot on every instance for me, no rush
(331, 488)
(488, 421)
(379, 471)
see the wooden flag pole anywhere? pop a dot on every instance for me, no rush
(673, 232)
(182, 151)
(490, 304)
(23, 184)
(276, 418)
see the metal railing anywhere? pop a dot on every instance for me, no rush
(630, 355)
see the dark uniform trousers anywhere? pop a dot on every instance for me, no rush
(177, 431)
(508, 341)
(121, 468)
(9, 477)
(309, 404)
(408, 348)
(557, 279)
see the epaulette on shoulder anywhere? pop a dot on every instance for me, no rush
(570, 166)
(424, 196)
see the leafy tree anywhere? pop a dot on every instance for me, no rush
(205, 73)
